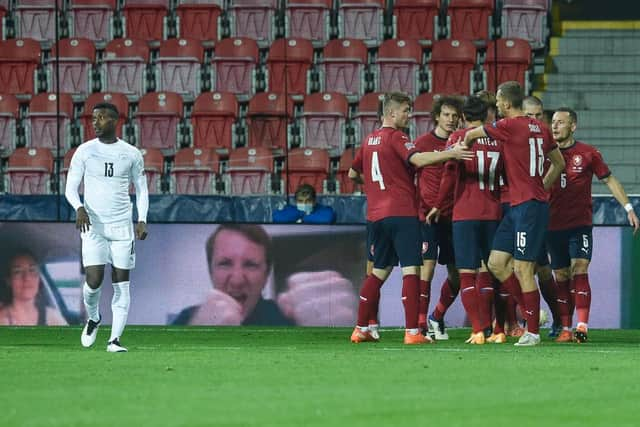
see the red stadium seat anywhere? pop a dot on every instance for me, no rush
(125, 62)
(119, 100)
(4, 8)
(323, 121)
(146, 20)
(199, 20)
(268, 118)
(36, 19)
(194, 171)
(345, 184)
(342, 68)
(157, 121)
(64, 170)
(213, 121)
(416, 19)
(452, 64)
(153, 168)
(92, 19)
(249, 171)
(525, 19)
(513, 57)
(470, 19)
(9, 113)
(29, 171)
(368, 117)
(255, 19)
(289, 59)
(421, 116)
(362, 19)
(41, 122)
(397, 68)
(309, 19)
(233, 67)
(19, 59)
(307, 166)
(178, 67)
(76, 58)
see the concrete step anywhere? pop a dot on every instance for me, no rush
(601, 100)
(619, 154)
(592, 87)
(601, 64)
(611, 78)
(597, 34)
(595, 46)
(599, 187)
(624, 119)
(592, 134)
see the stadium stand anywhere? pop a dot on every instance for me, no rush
(344, 185)
(9, 115)
(124, 67)
(368, 116)
(362, 19)
(342, 68)
(75, 67)
(307, 166)
(234, 67)
(268, 120)
(470, 20)
(42, 121)
(254, 19)
(397, 67)
(194, 171)
(451, 69)
(146, 20)
(29, 171)
(250, 171)
(36, 19)
(525, 19)
(323, 123)
(288, 67)
(158, 121)
(19, 61)
(178, 67)
(213, 121)
(310, 19)
(153, 168)
(199, 20)
(512, 58)
(421, 114)
(93, 20)
(417, 20)
(84, 120)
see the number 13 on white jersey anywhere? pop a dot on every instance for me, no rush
(376, 174)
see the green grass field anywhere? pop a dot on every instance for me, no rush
(313, 377)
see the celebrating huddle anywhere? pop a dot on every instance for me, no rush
(456, 216)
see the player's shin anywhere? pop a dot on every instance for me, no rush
(120, 308)
(583, 297)
(91, 299)
(410, 294)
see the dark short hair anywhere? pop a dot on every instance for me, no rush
(306, 190)
(391, 98)
(572, 114)
(512, 92)
(253, 232)
(488, 98)
(533, 100)
(112, 109)
(475, 109)
(454, 102)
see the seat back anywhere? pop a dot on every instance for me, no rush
(289, 59)
(416, 19)
(452, 64)
(198, 20)
(342, 68)
(76, 58)
(249, 171)
(254, 19)
(213, 120)
(19, 59)
(421, 119)
(92, 19)
(178, 67)
(470, 19)
(513, 58)
(307, 166)
(64, 170)
(323, 121)
(125, 62)
(145, 19)
(9, 113)
(268, 117)
(398, 65)
(525, 19)
(121, 103)
(36, 19)
(369, 115)
(158, 120)
(153, 168)
(194, 171)
(42, 121)
(29, 171)
(309, 19)
(362, 19)
(233, 66)
(345, 184)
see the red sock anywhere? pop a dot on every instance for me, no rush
(374, 308)
(447, 297)
(410, 296)
(563, 303)
(512, 286)
(583, 297)
(469, 296)
(531, 310)
(484, 286)
(423, 306)
(370, 288)
(572, 294)
(550, 295)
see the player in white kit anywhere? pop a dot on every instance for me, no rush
(108, 166)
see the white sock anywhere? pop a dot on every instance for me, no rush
(91, 299)
(119, 308)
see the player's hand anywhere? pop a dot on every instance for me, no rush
(433, 216)
(465, 142)
(82, 220)
(633, 220)
(218, 309)
(321, 298)
(141, 230)
(460, 152)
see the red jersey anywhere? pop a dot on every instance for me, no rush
(476, 182)
(383, 162)
(571, 204)
(429, 177)
(527, 143)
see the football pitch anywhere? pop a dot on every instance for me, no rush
(313, 377)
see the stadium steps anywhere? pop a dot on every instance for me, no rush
(594, 68)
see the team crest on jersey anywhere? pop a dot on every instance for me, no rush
(425, 247)
(576, 161)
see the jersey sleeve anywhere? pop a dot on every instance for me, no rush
(140, 182)
(447, 182)
(499, 130)
(600, 168)
(74, 178)
(549, 143)
(403, 146)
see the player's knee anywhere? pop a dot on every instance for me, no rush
(562, 275)
(579, 267)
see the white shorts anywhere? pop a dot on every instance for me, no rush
(109, 244)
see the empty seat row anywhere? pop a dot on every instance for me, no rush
(399, 66)
(153, 20)
(198, 171)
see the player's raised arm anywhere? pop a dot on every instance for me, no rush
(472, 135)
(458, 152)
(556, 168)
(617, 190)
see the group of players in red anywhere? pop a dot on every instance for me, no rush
(494, 201)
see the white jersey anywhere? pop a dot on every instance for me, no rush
(108, 171)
